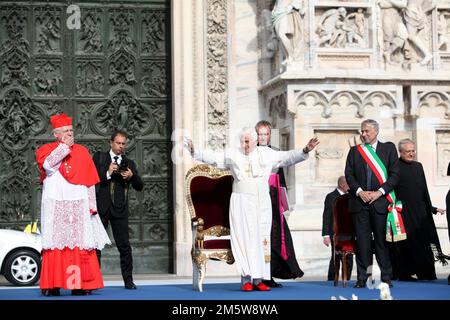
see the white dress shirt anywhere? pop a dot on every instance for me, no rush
(119, 160)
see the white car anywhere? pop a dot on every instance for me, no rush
(20, 257)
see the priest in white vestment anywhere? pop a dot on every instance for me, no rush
(250, 203)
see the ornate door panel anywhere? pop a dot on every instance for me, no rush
(111, 72)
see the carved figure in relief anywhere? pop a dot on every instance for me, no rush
(443, 32)
(49, 32)
(357, 27)
(287, 19)
(330, 27)
(395, 33)
(90, 34)
(415, 16)
(404, 20)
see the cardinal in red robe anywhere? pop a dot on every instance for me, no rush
(70, 227)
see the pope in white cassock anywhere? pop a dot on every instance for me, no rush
(250, 204)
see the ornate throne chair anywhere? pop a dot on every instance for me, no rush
(344, 236)
(208, 192)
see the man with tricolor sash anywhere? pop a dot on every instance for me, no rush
(372, 172)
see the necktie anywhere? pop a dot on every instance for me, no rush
(369, 174)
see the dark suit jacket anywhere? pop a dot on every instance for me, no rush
(327, 219)
(356, 176)
(119, 208)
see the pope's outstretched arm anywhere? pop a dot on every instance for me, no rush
(289, 158)
(215, 159)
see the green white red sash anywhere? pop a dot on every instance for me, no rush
(395, 230)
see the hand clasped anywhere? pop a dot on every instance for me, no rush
(370, 196)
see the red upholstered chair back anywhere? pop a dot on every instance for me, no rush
(208, 192)
(344, 234)
(211, 199)
(208, 195)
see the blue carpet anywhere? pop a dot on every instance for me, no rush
(295, 290)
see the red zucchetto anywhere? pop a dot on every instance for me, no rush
(60, 120)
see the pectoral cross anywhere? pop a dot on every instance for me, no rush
(248, 170)
(67, 167)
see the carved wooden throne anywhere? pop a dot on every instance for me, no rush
(208, 192)
(344, 236)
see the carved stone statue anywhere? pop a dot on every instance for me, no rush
(442, 31)
(405, 20)
(416, 21)
(331, 28)
(286, 19)
(395, 33)
(356, 33)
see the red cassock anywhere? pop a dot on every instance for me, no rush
(70, 268)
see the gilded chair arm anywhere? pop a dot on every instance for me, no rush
(198, 234)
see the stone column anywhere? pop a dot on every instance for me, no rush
(188, 113)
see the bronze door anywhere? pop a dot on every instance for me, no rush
(110, 68)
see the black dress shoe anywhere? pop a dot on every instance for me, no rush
(130, 285)
(51, 292)
(360, 284)
(81, 292)
(389, 282)
(271, 283)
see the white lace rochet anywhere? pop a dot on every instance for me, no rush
(66, 219)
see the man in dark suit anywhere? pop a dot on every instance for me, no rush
(117, 173)
(327, 227)
(368, 203)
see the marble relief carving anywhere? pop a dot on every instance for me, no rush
(217, 74)
(406, 31)
(443, 153)
(331, 155)
(435, 99)
(277, 109)
(399, 35)
(443, 30)
(328, 102)
(338, 28)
